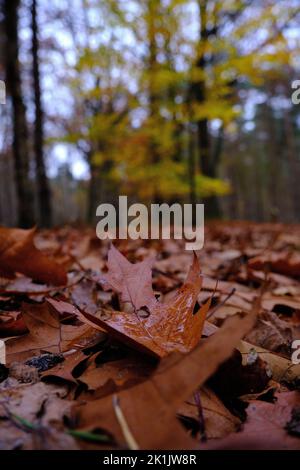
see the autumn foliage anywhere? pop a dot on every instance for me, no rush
(144, 345)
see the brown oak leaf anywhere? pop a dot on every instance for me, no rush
(171, 326)
(132, 281)
(149, 408)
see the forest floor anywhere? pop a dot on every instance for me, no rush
(129, 346)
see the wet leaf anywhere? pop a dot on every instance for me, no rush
(171, 326)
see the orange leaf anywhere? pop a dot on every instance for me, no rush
(170, 327)
(149, 408)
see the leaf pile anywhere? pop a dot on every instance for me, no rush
(144, 345)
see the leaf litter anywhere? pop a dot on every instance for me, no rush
(144, 345)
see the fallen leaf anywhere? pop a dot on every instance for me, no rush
(282, 263)
(218, 421)
(12, 324)
(149, 408)
(132, 281)
(171, 326)
(39, 404)
(235, 377)
(43, 325)
(18, 254)
(113, 375)
(272, 333)
(137, 398)
(281, 368)
(64, 370)
(45, 332)
(265, 427)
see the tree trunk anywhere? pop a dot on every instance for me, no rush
(20, 131)
(191, 165)
(153, 8)
(207, 164)
(275, 169)
(92, 200)
(43, 189)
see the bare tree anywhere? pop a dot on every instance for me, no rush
(20, 130)
(43, 189)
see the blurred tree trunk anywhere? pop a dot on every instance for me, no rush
(152, 13)
(92, 195)
(191, 165)
(293, 174)
(207, 163)
(20, 131)
(274, 182)
(43, 189)
(152, 65)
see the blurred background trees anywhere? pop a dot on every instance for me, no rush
(162, 100)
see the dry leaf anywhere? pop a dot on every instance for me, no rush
(46, 333)
(43, 325)
(132, 281)
(114, 375)
(265, 426)
(18, 254)
(149, 408)
(282, 263)
(218, 421)
(41, 404)
(281, 369)
(12, 324)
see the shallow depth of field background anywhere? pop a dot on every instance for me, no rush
(160, 100)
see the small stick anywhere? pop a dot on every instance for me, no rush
(221, 303)
(197, 398)
(132, 444)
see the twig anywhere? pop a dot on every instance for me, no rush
(221, 303)
(203, 435)
(130, 440)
